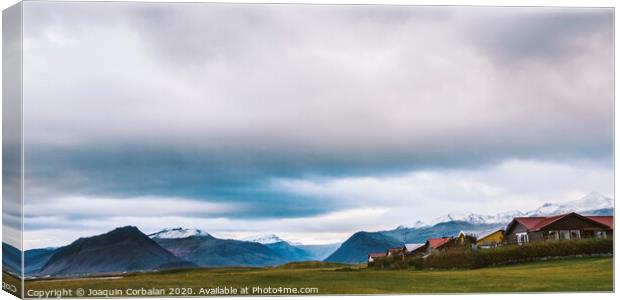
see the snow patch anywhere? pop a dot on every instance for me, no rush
(177, 233)
(268, 238)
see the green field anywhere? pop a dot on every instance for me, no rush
(584, 274)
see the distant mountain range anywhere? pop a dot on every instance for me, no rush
(356, 248)
(207, 251)
(268, 238)
(127, 249)
(591, 204)
(293, 252)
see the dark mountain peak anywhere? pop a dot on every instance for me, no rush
(123, 249)
(356, 248)
(126, 229)
(360, 234)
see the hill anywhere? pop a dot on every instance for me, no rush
(124, 249)
(356, 248)
(35, 259)
(208, 251)
(11, 259)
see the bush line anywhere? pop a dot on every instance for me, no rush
(468, 258)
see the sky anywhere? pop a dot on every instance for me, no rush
(308, 121)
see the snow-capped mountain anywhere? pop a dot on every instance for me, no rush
(177, 233)
(593, 204)
(473, 218)
(264, 239)
(590, 203)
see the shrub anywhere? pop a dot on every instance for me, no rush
(465, 258)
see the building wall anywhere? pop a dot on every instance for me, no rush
(510, 236)
(495, 238)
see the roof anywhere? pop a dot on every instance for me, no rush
(438, 242)
(377, 254)
(529, 222)
(537, 223)
(547, 221)
(413, 247)
(605, 220)
(395, 250)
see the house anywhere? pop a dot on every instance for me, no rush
(372, 257)
(413, 249)
(465, 238)
(490, 239)
(437, 244)
(395, 251)
(607, 220)
(562, 227)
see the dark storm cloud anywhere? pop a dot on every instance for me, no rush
(547, 34)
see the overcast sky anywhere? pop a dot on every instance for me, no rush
(311, 122)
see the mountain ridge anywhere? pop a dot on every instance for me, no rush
(593, 203)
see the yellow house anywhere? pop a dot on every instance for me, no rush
(491, 239)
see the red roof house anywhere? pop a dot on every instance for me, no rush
(607, 220)
(373, 256)
(394, 251)
(436, 244)
(561, 227)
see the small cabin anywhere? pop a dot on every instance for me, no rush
(490, 239)
(414, 249)
(437, 244)
(372, 257)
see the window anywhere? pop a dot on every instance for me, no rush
(575, 235)
(553, 235)
(600, 234)
(522, 238)
(565, 234)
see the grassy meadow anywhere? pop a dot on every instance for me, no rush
(578, 274)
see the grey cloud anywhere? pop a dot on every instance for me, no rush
(211, 102)
(543, 33)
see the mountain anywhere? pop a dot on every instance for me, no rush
(11, 259)
(591, 204)
(283, 248)
(472, 218)
(124, 249)
(35, 259)
(289, 252)
(451, 228)
(356, 248)
(268, 238)
(177, 233)
(208, 251)
(319, 252)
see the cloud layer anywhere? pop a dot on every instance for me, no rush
(282, 111)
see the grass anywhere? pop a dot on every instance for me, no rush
(313, 265)
(11, 284)
(579, 274)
